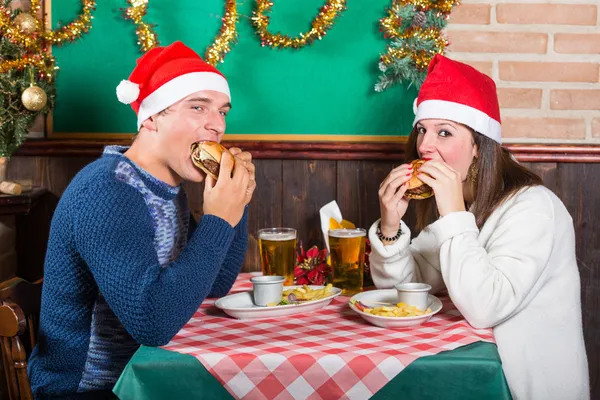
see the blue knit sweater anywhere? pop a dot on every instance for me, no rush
(125, 265)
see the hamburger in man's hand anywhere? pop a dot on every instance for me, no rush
(417, 190)
(207, 157)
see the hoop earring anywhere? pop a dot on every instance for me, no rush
(473, 172)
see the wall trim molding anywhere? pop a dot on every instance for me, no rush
(575, 153)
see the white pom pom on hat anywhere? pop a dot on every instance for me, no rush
(128, 92)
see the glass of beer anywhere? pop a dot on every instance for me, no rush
(347, 255)
(277, 248)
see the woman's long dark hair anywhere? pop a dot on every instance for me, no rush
(499, 177)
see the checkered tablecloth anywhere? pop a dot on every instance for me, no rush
(331, 353)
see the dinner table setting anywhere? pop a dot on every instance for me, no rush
(311, 325)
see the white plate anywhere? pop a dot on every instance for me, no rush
(389, 296)
(241, 305)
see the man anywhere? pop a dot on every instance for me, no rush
(126, 265)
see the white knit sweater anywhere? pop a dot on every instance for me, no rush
(518, 275)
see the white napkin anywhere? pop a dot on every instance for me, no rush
(329, 210)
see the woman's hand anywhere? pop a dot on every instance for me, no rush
(392, 202)
(446, 184)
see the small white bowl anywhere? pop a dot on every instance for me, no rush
(267, 289)
(413, 294)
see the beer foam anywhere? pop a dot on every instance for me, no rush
(347, 233)
(278, 237)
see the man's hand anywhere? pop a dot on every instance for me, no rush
(245, 159)
(228, 197)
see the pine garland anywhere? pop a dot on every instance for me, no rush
(15, 119)
(415, 27)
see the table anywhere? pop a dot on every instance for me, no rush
(24, 229)
(327, 354)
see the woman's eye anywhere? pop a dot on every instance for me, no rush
(445, 134)
(197, 108)
(421, 130)
(223, 113)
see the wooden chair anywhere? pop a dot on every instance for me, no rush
(20, 303)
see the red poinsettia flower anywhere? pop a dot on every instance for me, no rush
(303, 280)
(312, 252)
(322, 268)
(313, 275)
(312, 268)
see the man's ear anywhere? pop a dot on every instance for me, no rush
(150, 124)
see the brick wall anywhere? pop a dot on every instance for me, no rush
(545, 58)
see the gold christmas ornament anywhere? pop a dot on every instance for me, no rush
(319, 25)
(214, 54)
(34, 98)
(26, 23)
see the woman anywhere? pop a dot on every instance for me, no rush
(500, 243)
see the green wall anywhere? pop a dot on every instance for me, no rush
(325, 88)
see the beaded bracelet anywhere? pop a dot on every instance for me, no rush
(385, 238)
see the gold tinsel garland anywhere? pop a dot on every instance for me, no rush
(443, 6)
(39, 62)
(214, 54)
(72, 30)
(216, 51)
(390, 26)
(147, 38)
(69, 32)
(37, 43)
(319, 26)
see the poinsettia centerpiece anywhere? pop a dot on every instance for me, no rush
(311, 267)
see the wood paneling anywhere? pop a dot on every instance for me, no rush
(357, 189)
(548, 172)
(53, 173)
(268, 212)
(321, 150)
(307, 186)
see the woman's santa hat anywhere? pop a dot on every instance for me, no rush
(165, 75)
(458, 92)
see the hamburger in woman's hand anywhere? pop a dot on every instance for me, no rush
(207, 157)
(417, 190)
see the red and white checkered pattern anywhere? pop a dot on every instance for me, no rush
(331, 353)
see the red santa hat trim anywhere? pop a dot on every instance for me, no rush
(165, 75)
(458, 92)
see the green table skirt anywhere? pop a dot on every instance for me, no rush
(469, 372)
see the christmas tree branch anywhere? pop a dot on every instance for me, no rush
(17, 116)
(416, 33)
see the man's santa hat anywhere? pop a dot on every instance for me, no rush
(458, 92)
(165, 75)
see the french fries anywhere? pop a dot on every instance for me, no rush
(400, 310)
(302, 294)
(305, 293)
